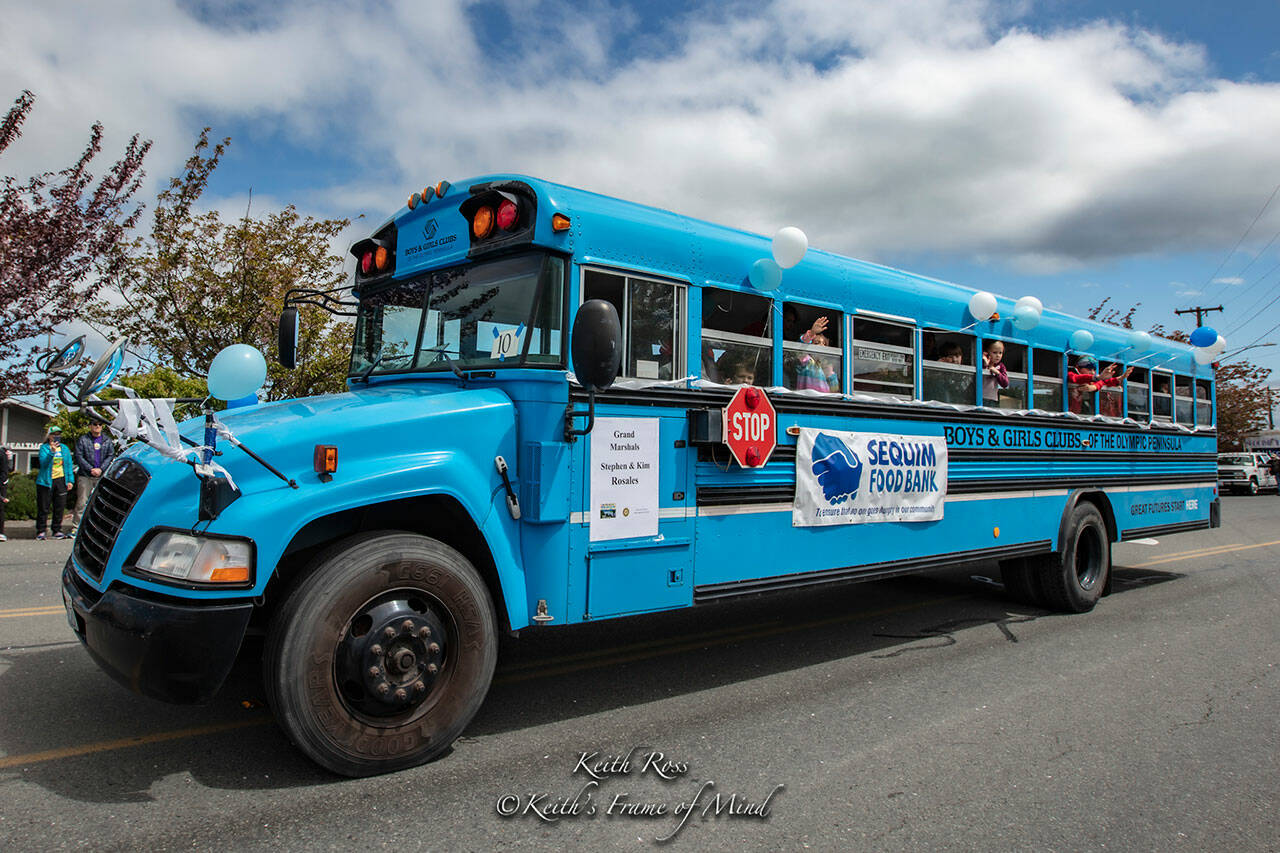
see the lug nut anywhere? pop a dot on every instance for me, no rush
(419, 687)
(376, 648)
(434, 648)
(401, 695)
(374, 672)
(384, 688)
(432, 668)
(406, 626)
(389, 632)
(424, 632)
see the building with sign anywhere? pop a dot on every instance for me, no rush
(22, 428)
(1267, 441)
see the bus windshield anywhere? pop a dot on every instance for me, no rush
(501, 313)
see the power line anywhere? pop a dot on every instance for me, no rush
(1199, 311)
(1242, 237)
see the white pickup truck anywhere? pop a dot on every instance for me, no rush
(1245, 472)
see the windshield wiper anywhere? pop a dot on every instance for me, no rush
(442, 352)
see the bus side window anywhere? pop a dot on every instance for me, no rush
(1080, 397)
(1046, 381)
(883, 357)
(1139, 389)
(737, 337)
(948, 369)
(1204, 403)
(1161, 397)
(650, 315)
(811, 354)
(1014, 358)
(1183, 404)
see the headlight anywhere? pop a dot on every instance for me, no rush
(197, 559)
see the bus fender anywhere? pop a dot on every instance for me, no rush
(499, 532)
(1099, 499)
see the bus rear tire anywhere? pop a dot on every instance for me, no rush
(1021, 582)
(1073, 578)
(381, 654)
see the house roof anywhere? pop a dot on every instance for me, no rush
(13, 401)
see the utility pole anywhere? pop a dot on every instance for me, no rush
(1199, 310)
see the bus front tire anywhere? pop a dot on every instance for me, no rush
(1073, 579)
(381, 654)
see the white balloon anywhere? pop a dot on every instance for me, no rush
(1140, 341)
(1219, 346)
(982, 305)
(1204, 355)
(1032, 301)
(789, 246)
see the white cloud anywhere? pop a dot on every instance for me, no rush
(942, 125)
(1231, 279)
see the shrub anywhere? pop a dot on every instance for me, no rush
(22, 497)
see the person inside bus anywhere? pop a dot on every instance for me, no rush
(1084, 380)
(738, 367)
(947, 386)
(710, 370)
(994, 375)
(812, 372)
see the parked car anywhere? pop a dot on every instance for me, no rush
(1245, 472)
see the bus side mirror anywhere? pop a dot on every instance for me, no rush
(287, 352)
(597, 353)
(597, 344)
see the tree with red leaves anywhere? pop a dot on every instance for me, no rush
(61, 236)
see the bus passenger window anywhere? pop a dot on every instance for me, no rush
(883, 359)
(1139, 391)
(1182, 403)
(1111, 397)
(1204, 403)
(1082, 378)
(1013, 358)
(811, 357)
(650, 315)
(1046, 381)
(1162, 397)
(948, 369)
(737, 337)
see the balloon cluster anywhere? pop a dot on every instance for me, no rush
(1026, 311)
(1209, 345)
(789, 246)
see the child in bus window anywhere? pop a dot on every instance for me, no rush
(738, 368)
(994, 375)
(812, 373)
(1085, 381)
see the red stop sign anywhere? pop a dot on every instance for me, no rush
(750, 427)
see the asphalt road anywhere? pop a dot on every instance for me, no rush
(919, 713)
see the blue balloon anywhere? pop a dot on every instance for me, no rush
(1081, 339)
(1026, 317)
(236, 372)
(1203, 337)
(765, 274)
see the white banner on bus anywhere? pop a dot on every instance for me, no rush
(863, 477)
(624, 478)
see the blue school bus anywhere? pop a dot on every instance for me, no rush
(706, 440)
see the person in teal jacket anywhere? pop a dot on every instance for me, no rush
(55, 478)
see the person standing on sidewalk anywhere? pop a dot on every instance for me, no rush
(6, 465)
(94, 453)
(55, 479)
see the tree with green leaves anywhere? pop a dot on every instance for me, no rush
(61, 234)
(198, 283)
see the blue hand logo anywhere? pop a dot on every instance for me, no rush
(838, 468)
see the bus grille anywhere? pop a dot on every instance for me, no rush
(109, 506)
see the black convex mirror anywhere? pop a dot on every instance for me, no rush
(597, 344)
(287, 351)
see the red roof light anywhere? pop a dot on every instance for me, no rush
(508, 214)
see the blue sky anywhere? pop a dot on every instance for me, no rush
(1069, 150)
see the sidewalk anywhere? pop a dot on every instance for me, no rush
(26, 529)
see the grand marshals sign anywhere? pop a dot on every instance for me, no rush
(861, 477)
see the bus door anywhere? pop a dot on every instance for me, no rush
(636, 493)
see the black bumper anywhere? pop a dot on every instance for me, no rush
(162, 649)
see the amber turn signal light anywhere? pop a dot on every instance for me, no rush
(482, 224)
(559, 222)
(380, 258)
(325, 460)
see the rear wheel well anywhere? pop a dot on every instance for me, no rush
(1103, 505)
(439, 516)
